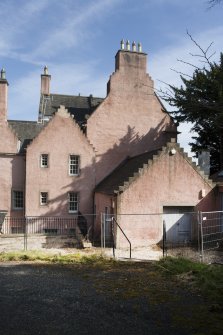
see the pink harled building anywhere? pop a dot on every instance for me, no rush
(88, 155)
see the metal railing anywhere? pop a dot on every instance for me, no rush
(45, 232)
(114, 221)
(40, 225)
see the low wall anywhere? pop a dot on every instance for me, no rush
(37, 242)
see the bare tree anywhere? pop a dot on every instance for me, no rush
(199, 100)
(212, 3)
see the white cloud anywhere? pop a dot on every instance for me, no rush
(74, 30)
(17, 19)
(52, 38)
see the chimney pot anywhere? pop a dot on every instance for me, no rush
(128, 45)
(133, 46)
(3, 74)
(46, 72)
(122, 44)
(139, 47)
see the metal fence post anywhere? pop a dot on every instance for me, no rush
(113, 236)
(25, 234)
(102, 231)
(201, 237)
(164, 239)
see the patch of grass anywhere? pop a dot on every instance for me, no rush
(77, 258)
(180, 265)
(207, 278)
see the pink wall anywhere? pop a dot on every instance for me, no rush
(169, 180)
(60, 138)
(8, 139)
(130, 120)
(12, 177)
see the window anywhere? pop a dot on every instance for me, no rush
(74, 165)
(17, 200)
(44, 160)
(73, 202)
(43, 198)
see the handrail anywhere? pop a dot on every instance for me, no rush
(130, 246)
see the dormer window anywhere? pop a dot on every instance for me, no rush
(44, 160)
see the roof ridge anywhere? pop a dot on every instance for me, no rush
(27, 121)
(77, 96)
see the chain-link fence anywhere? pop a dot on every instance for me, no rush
(211, 233)
(170, 233)
(194, 235)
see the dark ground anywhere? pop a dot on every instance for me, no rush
(68, 299)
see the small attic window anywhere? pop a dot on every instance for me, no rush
(44, 160)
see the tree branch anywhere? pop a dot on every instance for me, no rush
(204, 52)
(187, 63)
(213, 3)
(181, 73)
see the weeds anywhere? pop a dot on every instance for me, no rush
(76, 258)
(207, 278)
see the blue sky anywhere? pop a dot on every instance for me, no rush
(78, 40)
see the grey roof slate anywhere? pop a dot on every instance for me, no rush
(122, 173)
(80, 107)
(26, 131)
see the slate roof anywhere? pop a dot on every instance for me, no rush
(80, 107)
(122, 173)
(25, 131)
(127, 171)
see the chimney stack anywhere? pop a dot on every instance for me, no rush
(204, 161)
(131, 60)
(45, 82)
(3, 96)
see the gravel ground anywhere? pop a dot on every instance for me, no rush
(58, 299)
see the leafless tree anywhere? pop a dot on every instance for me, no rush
(212, 3)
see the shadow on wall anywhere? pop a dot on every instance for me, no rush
(57, 206)
(132, 144)
(129, 145)
(12, 179)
